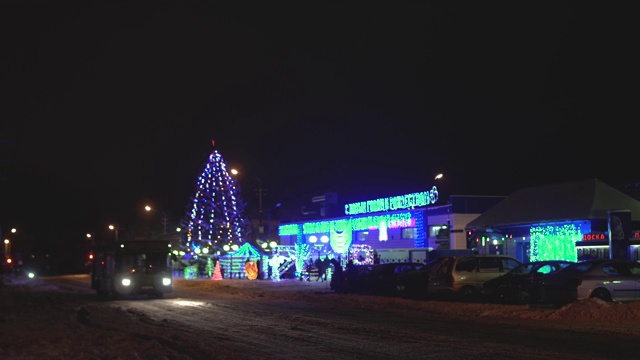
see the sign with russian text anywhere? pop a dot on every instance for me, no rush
(400, 202)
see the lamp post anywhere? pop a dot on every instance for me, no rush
(259, 202)
(164, 217)
(443, 189)
(111, 227)
(7, 245)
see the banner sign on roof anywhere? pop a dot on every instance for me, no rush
(400, 202)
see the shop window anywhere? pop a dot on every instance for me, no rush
(435, 230)
(408, 233)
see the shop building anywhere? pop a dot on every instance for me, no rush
(571, 221)
(403, 228)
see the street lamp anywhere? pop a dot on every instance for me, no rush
(111, 227)
(164, 216)
(7, 244)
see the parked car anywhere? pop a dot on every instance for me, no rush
(519, 285)
(349, 282)
(413, 284)
(463, 276)
(606, 279)
(381, 278)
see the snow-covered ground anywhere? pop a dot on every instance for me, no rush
(59, 317)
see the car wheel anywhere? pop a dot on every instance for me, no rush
(601, 294)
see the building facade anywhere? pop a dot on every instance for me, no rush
(570, 221)
(403, 228)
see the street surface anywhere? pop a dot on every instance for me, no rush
(61, 318)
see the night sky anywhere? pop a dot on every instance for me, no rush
(107, 106)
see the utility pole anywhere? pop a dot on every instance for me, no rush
(260, 192)
(260, 201)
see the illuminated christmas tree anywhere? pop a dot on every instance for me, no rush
(216, 216)
(217, 274)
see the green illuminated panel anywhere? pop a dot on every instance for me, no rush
(554, 242)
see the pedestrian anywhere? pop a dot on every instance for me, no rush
(308, 268)
(326, 264)
(322, 271)
(352, 277)
(337, 283)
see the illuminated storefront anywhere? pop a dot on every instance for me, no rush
(565, 221)
(398, 228)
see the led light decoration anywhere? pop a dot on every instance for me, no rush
(217, 273)
(216, 215)
(555, 241)
(289, 229)
(421, 231)
(356, 250)
(302, 252)
(340, 230)
(340, 236)
(233, 262)
(382, 234)
(392, 221)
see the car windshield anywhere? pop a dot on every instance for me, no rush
(580, 267)
(523, 269)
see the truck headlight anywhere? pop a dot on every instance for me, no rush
(126, 282)
(166, 281)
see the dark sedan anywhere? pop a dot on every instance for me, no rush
(413, 284)
(348, 280)
(519, 285)
(381, 279)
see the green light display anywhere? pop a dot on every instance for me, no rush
(554, 242)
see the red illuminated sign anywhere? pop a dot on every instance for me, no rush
(593, 237)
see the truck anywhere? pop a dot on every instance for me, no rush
(133, 267)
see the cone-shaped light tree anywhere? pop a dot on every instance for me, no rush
(216, 214)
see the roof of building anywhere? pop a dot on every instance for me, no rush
(582, 200)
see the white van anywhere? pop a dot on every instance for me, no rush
(464, 276)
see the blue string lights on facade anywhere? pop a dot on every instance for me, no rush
(216, 217)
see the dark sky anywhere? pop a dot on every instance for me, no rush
(109, 105)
